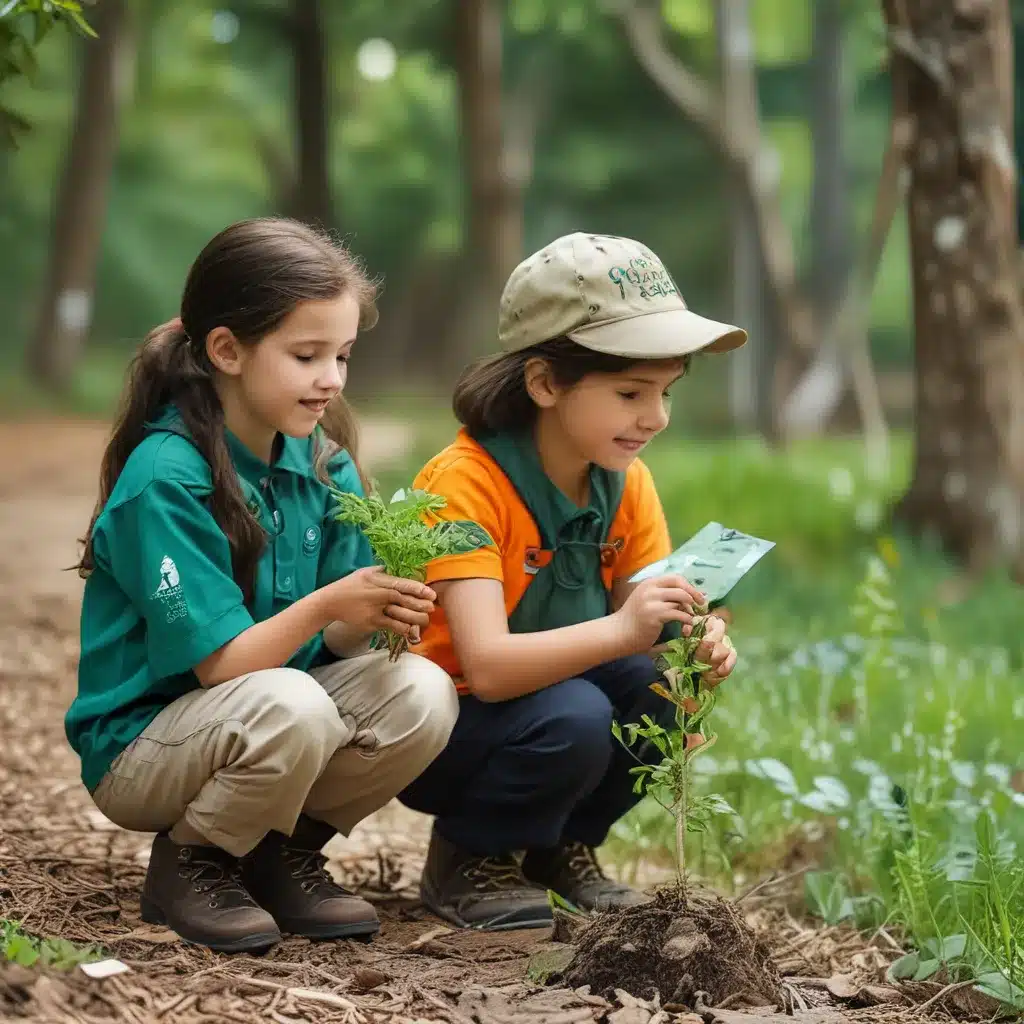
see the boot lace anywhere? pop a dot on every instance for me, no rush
(495, 874)
(212, 873)
(582, 863)
(308, 868)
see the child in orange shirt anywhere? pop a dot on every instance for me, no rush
(544, 635)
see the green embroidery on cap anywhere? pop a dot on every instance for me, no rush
(647, 276)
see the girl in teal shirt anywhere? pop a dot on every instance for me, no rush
(228, 697)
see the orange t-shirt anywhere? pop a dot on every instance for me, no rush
(476, 488)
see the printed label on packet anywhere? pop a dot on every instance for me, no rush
(715, 559)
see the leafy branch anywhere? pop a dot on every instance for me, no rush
(24, 24)
(406, 534)
(668, 781)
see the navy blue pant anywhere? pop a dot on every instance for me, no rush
(540, 769)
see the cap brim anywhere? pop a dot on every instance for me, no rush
(666, 334)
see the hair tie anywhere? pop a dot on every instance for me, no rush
(178, 324)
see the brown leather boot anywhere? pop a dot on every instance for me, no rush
(286, 876)
(572, 870)
(197, 891)
(489, 893)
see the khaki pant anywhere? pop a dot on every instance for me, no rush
(239, 759)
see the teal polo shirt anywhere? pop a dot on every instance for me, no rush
(162, 596)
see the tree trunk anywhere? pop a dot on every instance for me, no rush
(750, 369)
(830, 207)
(824, 388)
(968, 482)
(311, 201)
(81, 202)
(493, 206)
(754, 164)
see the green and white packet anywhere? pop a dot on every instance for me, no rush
(715, 559)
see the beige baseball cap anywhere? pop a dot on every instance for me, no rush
(608, 294)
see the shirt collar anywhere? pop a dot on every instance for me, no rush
(295, 454)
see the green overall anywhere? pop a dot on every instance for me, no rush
(567, 587)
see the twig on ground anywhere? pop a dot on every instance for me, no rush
(733, 998)
(331, 998)
(343, 983)
(942, 993)
(437, 1001)
(889, 940)
(770, 883)
(797, 1001)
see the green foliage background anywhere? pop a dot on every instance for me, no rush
(207, 138)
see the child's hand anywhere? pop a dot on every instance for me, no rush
(716, 650)
(652, 604)
(369, 599)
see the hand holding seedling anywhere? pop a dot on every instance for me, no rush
(371, 599)
(405, 535)
(689, 685)
(715, 650)
(651, 605)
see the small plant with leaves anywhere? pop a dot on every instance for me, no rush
(406, 534)
(668, 782)
(21, 948)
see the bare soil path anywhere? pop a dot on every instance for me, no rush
(66, 871)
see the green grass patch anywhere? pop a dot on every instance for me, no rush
(881, 746)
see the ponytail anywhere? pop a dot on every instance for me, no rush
(248, 278)
(167, 370)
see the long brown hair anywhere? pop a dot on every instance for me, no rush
(491, 396)
(248, 278)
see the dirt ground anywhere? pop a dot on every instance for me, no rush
(66, 871)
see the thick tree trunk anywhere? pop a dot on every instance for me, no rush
(750, 369)
(312, 198)
(493, 204)
(81, 203)
(968, 482)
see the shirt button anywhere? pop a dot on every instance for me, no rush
(287, 581)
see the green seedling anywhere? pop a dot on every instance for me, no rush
(405, 535)
(668, 782)
(18, 946)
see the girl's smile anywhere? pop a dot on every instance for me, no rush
(317, 406)
(632, 447)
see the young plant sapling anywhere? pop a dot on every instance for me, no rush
(668, 782)
(405, 535)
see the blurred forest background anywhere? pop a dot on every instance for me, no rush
(183, 117)
(838, 176)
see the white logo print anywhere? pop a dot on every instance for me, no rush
(169, 591)
(169, 579)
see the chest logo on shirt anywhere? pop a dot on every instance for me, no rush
(311, 540)
(169, 592)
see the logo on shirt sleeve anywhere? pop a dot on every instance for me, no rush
(463, 535)
(169, 592)
(169, 578)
